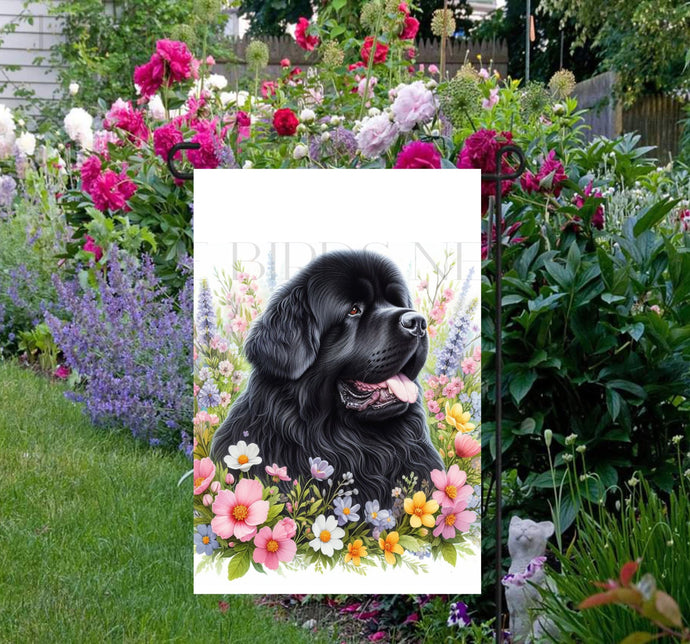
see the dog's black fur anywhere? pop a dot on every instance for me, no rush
(345, 317)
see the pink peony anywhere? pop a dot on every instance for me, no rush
(62, 372)
(414, 105)
(206, 136)
(204, 471)
(466, 446)
(598, 216)
(380, 53)
(418, 154)
(91, 247)
(150, 76)
(285, 121)
(454, 518)
(239, 512)
(550, 177)
(479, 151)
(180, 64)
(90, 170)
(684, 219)
(269, 88)
(273, 546)
(285, 62)
(410, 28)
(110, 191)
(376, 135)
(164, 138)
(450, 486)
(303, 40)
(288, 525)
(433, 406)
(123, 116)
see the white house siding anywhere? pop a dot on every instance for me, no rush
(23, 46)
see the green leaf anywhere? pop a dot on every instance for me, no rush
(521, 384)
(410, 543)
(613, 403)
(449, 553)
(653, 215)
(630, 387)
(238, 566)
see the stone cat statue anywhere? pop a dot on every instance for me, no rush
(527, 545)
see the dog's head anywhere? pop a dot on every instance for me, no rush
(345, 322)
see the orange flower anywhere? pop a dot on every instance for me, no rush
(456, 417)
(355, 551)
(421, 510)
(391, 547)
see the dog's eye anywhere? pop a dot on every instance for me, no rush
(355, 310)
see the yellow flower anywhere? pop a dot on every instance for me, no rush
(355, 551)
(421, 510)
(391, 547)
(456, 417)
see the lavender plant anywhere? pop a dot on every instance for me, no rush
(130, 344)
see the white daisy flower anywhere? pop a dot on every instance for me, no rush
(242, 456)
(327, 535)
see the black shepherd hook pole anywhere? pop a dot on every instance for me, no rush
(499, 177)
(171, 156)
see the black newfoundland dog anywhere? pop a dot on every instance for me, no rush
(335, 358)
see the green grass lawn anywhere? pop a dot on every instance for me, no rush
(95, 535)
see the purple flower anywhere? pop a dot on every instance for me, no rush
(208, 395)
(205, 540)
(452, 353)
(344, 510)
(8, 190)
(371, 512)
(458, 615)
(320, 469)
(206, 316)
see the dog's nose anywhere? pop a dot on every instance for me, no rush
(414, 323)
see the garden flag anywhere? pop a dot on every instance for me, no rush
(337, 378)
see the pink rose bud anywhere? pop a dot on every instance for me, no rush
(215, 487)
(229, 478)
(210, 60)
(285, 62)
(207, 499)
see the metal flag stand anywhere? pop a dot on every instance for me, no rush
(499, 177)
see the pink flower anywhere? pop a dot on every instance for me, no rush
(90, 246)
(164, 138)
(368, 87)
(429, 394)
(466, 446)
(468, 366)
(207, 499)
(229, 478)
(403, 8)
(269, 88)
(239, 512)
(410, 28)
(488, 103)
(90, 170)
(179, 62)
(477, 354)
(433, 69)
(215, 487)
(454, 518)
(684, 219)
(448, 293)
(285, 62)
(288, 525)
(273, 546)
(441, 415)
(207, 138)
(278, 473)
(420, 155)
(550, 177)
(101, 139)
(376, 135)
(62, 372)
(377, 637)
(484, 73)
(479, 151)
(598, 216)
(414, 105)
(204, 471)
(303, 40)
(239, 325)
(149, 77)
(380, 53)
(110, 191)
(450, 486)
(123, 116)
(433, 406)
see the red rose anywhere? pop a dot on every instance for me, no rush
(303, 40)
(418, 154)
(285, 122)
(380, 54)
(410, 28)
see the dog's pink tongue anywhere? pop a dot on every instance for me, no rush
(403, 388)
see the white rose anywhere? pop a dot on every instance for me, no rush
(78, 125)
(156, 108)
(307, 115)
(216, 81)
(73, 88)
(26, 143)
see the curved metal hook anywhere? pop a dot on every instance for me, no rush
(501, 152)
(185, 145)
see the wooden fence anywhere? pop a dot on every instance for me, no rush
(457, 54)
(655, 118)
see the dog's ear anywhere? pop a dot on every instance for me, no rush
(284, 340)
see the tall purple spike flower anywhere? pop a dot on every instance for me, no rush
(206, 316)
(448, 358)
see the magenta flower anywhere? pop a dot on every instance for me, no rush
(273, 546)
(164, 138)
(278, 473)
(110, 191)
(204, 471)
(488, 103)
(90, 170)
(239, 512)
(550, 177)
(454, 518)
(206, 136)
(62, 372)
(123, 116)
(90, 246)
(598, 216)
(418, 154)
(171, 62)
(450, 486)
